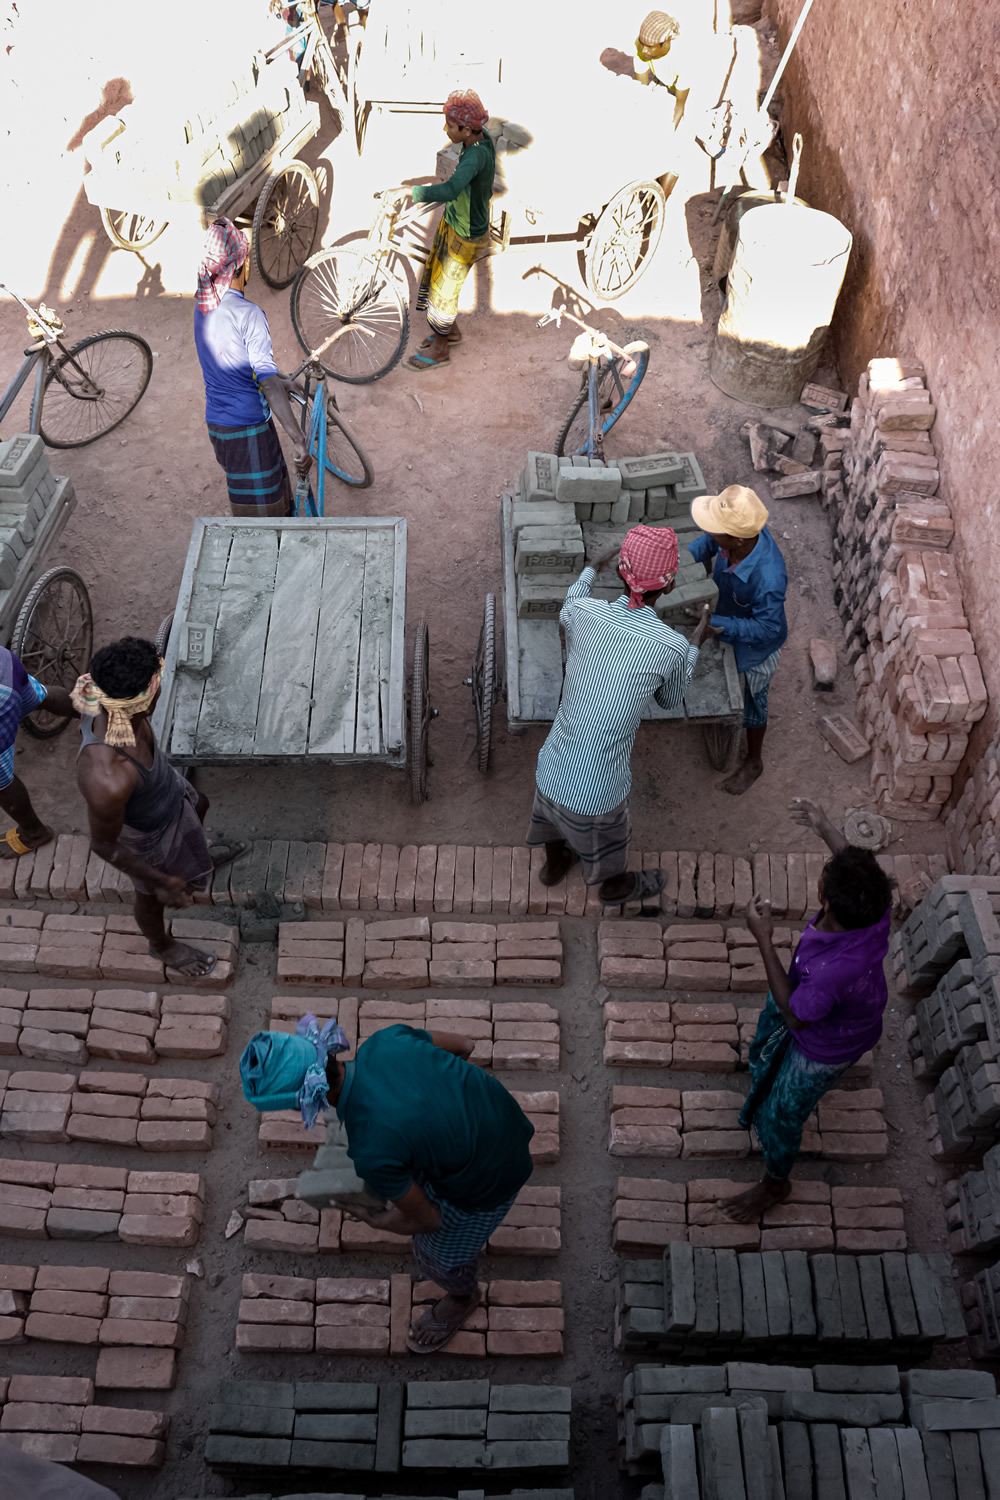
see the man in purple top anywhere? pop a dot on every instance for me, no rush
(822, 1015)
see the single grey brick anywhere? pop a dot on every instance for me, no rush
(600, 514)
(536, 1427)
(800, 1294)
(883, 1379)
(636, 505)
(224, 1451)
(527, 1455)
(256, 1393)
(446, 1422)
(832, 1406)
(943, 1415)
(756, 1453)
(692, 484)
(857, 1464)
(727, 1272)
(334, 1395)
(852, 1308)
(960, 1384)
(722, 1463)
(692, 1409)
(439, 1453)
(951, 1311)
(749, 1377)
(337, 1427)
(539, 476)
(541, 513)
(924, 1286)
(307, 1454)
(754, 1296)
(779, 1316)
(263, 1421)
(636, 1270)
(796, 1460)
(18, 457)
(968, 1467)
(531, 1398)
(911, 1463)
(885, 1463)
(653, 470)
(989, 1448)
(777, 1478)
(706, 1294)
(826, 1297)
(680, 1467)
(679, 1309)
(939, 1465)
(900, 1298)
(657, 497)
(642, 1294)
(678, 1380)
(78, 1223)
(620, 509)
(388, 1444)
(828, 1462)
(447, 1393)
(589, 486)
(644, 1323)
(874, 1297)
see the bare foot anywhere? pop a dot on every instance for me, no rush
(439, 1326)
(743, 779)
(183, 959)
(745, 1208)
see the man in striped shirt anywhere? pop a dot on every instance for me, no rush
(619, 655)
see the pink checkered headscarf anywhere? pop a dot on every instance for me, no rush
(648, 560)
(224, 251)
(463, 107)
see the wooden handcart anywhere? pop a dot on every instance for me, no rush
(527, 671)
(287, 648)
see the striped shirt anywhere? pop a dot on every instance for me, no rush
(617, 659)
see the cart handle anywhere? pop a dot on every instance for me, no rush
(558, 313)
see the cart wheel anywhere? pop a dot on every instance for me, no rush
(721, 744)
(624, 239)
(285, 224)
(485, 682)
(54, 637)
(130, 231)
(421, 714)
(163, 634)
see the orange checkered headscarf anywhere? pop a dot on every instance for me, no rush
(648, 560)
(464, 108)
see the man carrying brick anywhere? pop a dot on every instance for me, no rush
(822, 1015)
(442, 1143)
(750, 574)
(20, 694)
(619, 655)
(145, 817)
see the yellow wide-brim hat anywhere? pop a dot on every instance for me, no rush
(737, 511)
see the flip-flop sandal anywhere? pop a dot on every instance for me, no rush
(454, 337)
(648, 883)
(225, 851)
(12, 846)
(191, 978)
(443, 1333)
(421, 362)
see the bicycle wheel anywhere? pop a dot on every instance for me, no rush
(347, 310)
(624, 239)
(129, 231)
(92, 387)
(54, 637)
(485, 683)
(345, 457)
(285, 223)
(615, 385)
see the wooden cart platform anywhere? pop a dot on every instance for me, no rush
(287, 644)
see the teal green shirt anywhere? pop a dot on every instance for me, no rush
(414, 1113)
(467, 192)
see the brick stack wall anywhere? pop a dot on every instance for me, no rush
(42, 1200)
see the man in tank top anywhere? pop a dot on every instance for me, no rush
(145, 817)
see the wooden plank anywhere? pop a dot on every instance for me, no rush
(228, 719)
(286, 686)
(394, 711)
(510, 621)
(331, 725)
(373, 659)
(197, 600)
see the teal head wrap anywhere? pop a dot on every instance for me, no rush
(279, 1071)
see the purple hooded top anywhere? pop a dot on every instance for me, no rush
(839, 988)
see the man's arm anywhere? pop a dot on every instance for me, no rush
(58, 701)
(761, 925)
(413, 1213)
(803, 810)
(703, 550)
(106, 790)
(275, 388)
(469, 163)
(766, 622)
(449, 1041)
(670, 693)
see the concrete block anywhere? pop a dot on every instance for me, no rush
(588, 486)
(341, 1427)
(440, 1453)
(722, 1463)
(425, 1393)
(334, 1395)
(239, 1417)
(447, 1422)
(539, 477)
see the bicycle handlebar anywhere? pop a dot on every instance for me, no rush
(558, 313)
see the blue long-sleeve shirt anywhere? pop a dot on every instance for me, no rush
(751, 607)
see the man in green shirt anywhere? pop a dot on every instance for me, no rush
(464, 232)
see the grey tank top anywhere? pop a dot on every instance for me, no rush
(156, 800)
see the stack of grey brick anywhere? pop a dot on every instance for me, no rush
(956, 919)
(701, 1302)
(950, 1018)
(973, 1206)
(261, 1426)
(30, 499)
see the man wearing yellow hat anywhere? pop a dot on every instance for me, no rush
(750, 574)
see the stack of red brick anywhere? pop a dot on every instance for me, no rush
(373, 1316)
(89, 947)
(56, 1417)
(703, 956)
(973, 824)
(117, 1109)
(44, 1200)
(650, 1213)
(138, 1026)
(920, 684)
(651, 1121)
(410, 953)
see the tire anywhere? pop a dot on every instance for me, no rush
(613, 385)
(624, 240)
(339, 289)
(419, 716)
(285, 224)
(91, 364)
(163, 634)
(346, 460)
(54, 637)
(485, 684)
(128, 231)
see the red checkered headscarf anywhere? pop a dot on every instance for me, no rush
(648, 561)
(224, 251)
(465, 109)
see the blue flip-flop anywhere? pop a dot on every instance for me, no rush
(422, 362)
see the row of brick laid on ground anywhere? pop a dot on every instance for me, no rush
(862, 1307)
(649, 1213)
(456, 1425)
(700, 1037)
(848, 1124)
(409, 953)
(42, 1200)
(747, 1431)
(94, 947)
(114, 1109)
(372, 1316)
(462, 880)
(57, 1417)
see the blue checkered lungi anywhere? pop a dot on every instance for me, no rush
(449, 1256)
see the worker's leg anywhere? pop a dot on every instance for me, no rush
(16, 803)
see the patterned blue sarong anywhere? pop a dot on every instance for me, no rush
(449, 1255)
(786, 1088)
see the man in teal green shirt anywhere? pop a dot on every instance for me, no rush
(464, 232)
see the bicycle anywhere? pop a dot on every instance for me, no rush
(357, 293)
(329, 440)
(611, 377)
(97, 381)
